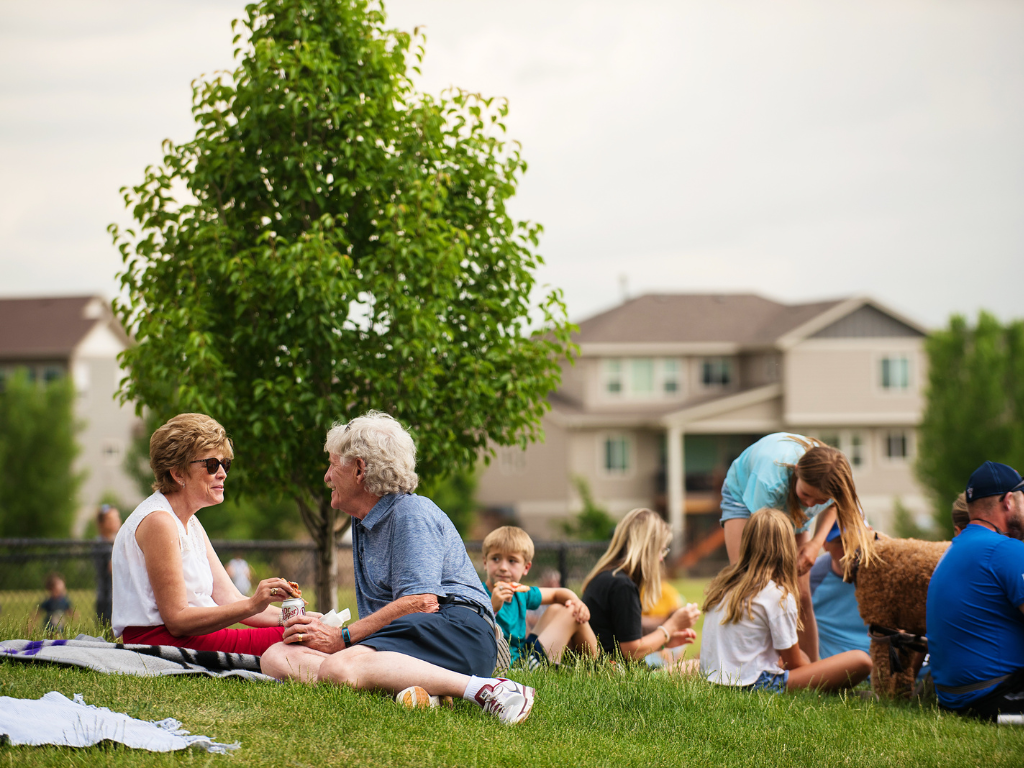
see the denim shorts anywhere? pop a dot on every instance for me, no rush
(773, 682)
(733, 509)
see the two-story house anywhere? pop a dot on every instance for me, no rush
(78, 336)
(669, 389)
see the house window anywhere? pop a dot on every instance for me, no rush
(616, 455)
(897, 446)
(832, 438)
(895, 373)
(613, 377)
(512, 461)
(642, 378)
(670, 376)
(716, 372)
(856, 452)
(51, 373)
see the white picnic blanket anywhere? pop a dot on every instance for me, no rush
(55, 719)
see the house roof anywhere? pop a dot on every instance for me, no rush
(743, 319)
(49, 327)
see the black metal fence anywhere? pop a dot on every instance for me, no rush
(25, 565)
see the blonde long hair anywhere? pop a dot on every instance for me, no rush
(635, 549)
(767, 553)
(826, 469)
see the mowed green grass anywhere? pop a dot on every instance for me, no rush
(586, 714)
(583, 716)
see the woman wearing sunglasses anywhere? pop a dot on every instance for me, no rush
(169, 585)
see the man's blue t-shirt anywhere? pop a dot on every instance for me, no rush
(975, 626)
(511, 617)
(840, 627)
(407, 546)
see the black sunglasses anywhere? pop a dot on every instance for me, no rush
(212, 464)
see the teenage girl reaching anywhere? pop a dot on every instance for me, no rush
(809, 480)
(751, 620)
(629, 568)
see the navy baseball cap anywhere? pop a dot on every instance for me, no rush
(834, 532)
(993, 479)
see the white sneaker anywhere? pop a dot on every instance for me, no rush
(507, 700)
(415, 697)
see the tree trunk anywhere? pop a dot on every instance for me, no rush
(325, 525)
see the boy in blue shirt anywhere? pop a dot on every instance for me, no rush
(840, 627)
(508, 555)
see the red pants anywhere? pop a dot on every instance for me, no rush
(252, 641)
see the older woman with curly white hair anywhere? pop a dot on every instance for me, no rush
(426, 628)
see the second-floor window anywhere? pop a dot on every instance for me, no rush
(642, 378)
(897, 446)
(716, 372)
(895, 373)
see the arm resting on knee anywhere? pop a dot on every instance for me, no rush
(403, 606)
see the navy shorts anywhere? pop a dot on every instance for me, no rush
(455, 638)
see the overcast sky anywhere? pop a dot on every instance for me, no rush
(802, 150)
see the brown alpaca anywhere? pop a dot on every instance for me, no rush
(892, 593)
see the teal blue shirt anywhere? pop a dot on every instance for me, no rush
(759, 477)
(511, 617)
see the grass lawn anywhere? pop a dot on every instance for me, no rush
(585, 715)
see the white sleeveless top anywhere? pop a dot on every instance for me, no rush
(134, 603)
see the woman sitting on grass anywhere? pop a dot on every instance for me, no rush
(630, 567)
(751, 621)
(169, 585)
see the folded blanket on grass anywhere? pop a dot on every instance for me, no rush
(142, 660)
(55, 719)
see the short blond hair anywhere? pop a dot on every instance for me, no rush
(179, 442)
(508, 538)
(384, 446)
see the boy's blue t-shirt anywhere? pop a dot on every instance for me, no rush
(975, 626)
(840, 627)
(511, 617)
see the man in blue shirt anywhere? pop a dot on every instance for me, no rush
(426, 629)
(976, 601)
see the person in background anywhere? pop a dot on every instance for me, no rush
(961, 517)
(240, 573)
(508, 554)
(56, 610)
(631, 566)
(840, 627)
(749, 638)
(812, 483)
(108, 523)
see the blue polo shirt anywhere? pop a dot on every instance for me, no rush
(407, 546)
(975, 626)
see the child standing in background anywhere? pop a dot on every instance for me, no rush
(750, 627)
(508, 555)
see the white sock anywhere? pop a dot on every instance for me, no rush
(475, 684)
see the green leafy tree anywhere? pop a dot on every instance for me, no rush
(344, 245)
(38, 485)
(592, 523)
(974, 406)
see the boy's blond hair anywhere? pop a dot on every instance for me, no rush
(508, 538)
